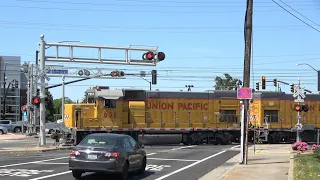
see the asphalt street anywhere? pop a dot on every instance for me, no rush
(164, 162)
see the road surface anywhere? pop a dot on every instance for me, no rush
(164, 162)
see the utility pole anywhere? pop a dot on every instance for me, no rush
(29, 92)
(246, 72)
(4, 89)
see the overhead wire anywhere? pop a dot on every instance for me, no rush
(296, 17)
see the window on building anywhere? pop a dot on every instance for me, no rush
(228, 116)
(271, 115)
(110, 103)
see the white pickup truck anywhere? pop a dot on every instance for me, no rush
(13, 127)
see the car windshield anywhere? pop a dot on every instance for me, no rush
(99, 140)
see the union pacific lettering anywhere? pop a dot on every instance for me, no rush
(180, 106)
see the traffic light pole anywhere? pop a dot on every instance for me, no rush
(298, 116)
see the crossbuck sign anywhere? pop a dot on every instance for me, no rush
(299, 94)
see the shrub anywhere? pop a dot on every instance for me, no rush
(300, 146)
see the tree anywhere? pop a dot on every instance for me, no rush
(49, 110)
(226, 83)
(57, 104)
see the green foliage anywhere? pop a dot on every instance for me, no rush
(226, 83)
(57, 104)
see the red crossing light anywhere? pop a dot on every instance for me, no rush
(148, 56)
(36, 101)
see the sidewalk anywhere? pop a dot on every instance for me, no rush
(269, 162)
(13, 136)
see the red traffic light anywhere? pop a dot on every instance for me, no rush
(23, 108)
(148, 56)
(297, 108)
(36, 101)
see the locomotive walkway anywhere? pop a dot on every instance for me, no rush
(269, 162)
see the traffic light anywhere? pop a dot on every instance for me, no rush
(160, 56)
(154, 76)
(36, 101)
(301, 108)
(48, 101)
(117, 73)
(275, 82)
(292, 88)
(23, 108)
(257, 86)
(263, 86)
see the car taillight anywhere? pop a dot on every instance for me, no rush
(74, 153)
(112, 154)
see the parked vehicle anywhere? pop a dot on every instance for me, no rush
(107, 153)
(13, 127)
(3, 130)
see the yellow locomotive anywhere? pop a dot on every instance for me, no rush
(213, 116)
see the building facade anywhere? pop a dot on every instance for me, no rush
(12, 98)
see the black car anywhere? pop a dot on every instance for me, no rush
(107, 153)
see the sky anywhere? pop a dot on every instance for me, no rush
(202, 39)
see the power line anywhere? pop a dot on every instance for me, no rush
(181, 5)
(296, 16)
(136, 11)
(299, 13)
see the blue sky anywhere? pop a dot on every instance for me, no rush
(202, 39)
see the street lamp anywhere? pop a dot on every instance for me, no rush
(318, 71)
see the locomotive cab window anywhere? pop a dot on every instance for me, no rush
(271, 115)
(110, 103)
(228, 116)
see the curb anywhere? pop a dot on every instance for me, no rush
(290, 172)
(34, 150)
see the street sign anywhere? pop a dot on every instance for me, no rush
(57, 71)
(299, 94)
(244, 93)
(299, 116)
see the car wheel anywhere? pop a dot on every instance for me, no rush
(1, 132)
(76, 174)
(124, 174)
(143, 167)
(17, 130)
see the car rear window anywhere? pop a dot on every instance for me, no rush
(97, 140)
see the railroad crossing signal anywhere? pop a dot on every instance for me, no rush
(257, 86)
(299, 95)
(160, 56)
(275, 82)
(36, 101)
(263, 82)
(85, 72)
(16, 84)
(48, 101)
(301, 108)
